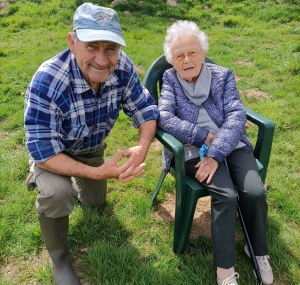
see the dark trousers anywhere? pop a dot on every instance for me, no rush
(244, 181)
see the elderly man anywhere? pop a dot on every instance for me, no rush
(71, 105)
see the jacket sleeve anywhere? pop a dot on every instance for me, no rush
(183, 130)
(234, 119)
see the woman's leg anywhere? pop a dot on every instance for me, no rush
(223, 214)
(252, 198)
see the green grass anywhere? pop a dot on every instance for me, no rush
(124, 242)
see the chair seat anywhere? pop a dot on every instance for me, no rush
(193, 191)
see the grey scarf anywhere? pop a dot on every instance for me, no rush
(198, 92)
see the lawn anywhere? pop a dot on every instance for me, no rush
(128, 241)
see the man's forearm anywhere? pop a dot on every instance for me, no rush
(64, 165)
(146, 135)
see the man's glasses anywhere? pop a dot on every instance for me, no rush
(178, 57)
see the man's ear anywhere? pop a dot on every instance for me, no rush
(71, 42)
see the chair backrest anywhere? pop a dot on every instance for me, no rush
(153, 77)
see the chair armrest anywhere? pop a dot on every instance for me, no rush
(263, 145)
(170, 142)
(177, 149)
(178, 168)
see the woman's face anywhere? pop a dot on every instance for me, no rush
(187, 57)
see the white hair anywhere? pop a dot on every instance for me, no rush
(183, 27)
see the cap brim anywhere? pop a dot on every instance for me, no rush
(86, 35)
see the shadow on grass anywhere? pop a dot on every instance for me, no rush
(107, 253)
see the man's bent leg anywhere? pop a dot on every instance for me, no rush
(54, 204)
(54, 198)
(91, 192)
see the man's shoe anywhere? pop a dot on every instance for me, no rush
(231, 280)
(265, 268)
(30, 183)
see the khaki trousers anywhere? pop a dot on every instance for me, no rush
(56, 192)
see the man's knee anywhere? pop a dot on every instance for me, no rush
(91, 192)
(54, 194)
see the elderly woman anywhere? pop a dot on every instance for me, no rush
(200, 104)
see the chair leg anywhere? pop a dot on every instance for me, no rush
(182, 234)
(159, 183)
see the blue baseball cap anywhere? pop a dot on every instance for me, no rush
(94, 23)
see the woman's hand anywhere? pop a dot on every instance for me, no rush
(209, 139)
(206, 169)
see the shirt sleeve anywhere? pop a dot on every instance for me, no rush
(233, 126)
(41, 120)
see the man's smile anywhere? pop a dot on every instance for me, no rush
(99, 67)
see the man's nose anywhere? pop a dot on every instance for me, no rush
(101, 58)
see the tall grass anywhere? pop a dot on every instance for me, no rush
(125, 242)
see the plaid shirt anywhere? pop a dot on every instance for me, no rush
(63, 113)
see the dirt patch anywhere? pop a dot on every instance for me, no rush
(77, 266)
(4, 5)
(244, 62)
(155, 145)
(249, 125)
(237, 78)
(256, 93)
(206, 7)
(202, 217)
(14, 269)
(139, 68)
(172, 2)
(118, 1)
(169, 2)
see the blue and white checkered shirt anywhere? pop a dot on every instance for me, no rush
(63, 113)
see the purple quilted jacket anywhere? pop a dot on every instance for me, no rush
(178, 115)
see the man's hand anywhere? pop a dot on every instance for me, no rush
(135, 169)
(115, 166)
(139, 152)
(206, 169)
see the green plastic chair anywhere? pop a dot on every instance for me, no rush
(188, 189)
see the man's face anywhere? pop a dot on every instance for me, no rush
(96, 60)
